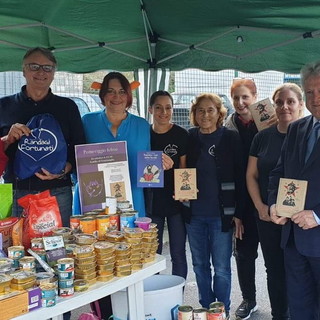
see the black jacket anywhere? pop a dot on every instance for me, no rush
(230, 171)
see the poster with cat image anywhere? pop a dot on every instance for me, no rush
(103, 171)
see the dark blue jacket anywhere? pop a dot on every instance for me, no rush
(292, 165)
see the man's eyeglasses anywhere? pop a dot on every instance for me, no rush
(113, 92)
(44, 67)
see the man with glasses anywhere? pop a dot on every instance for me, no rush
(39, 66)
(300, 238)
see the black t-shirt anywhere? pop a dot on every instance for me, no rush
(174, 144)
(247, 133)
(266, 146)
(207, 203)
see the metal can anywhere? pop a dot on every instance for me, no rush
(185, 313)
(123, 204)
(37, 244)
(103, 223)
(111, 202)
(114, 220)
(200, 314)
(27, 263)
(63, 284)
(88, 225)
(217, 305)
(66, 292)
(127, 220)
(81, 285)
(15, 252)
(48, 290)
(75, 223)
(65, 232)
(215, 314)
(66, 275)
(48, 302)
(65, 264)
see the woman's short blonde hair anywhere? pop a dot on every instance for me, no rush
(216, 100)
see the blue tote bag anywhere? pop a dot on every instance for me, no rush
(44, 148)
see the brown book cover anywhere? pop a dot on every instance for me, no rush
(291, 197)
(261, 112)
(185, 184)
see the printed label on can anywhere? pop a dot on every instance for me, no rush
(127, 220)
(64, 284)
(65, 264)
(51, 293)
(66, 292)
(103, 224)
(200, 314)
(215, 314)
(15, 252)
(185, 313)
(88, 225)
(66, 275)
(48, 302)
(114, 222)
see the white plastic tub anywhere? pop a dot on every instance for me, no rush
(161, 294)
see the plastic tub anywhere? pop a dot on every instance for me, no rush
(162, 293)
(143, 223)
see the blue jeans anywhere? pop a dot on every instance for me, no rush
(177, 242)
(64, 199)
(209, 245)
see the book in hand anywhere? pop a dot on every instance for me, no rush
(150, 172)
(291, 197)
(185, 184)
(261, 112)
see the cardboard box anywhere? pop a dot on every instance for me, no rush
(14, 305)
(34, 298)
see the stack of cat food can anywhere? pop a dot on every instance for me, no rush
(133, 236)
(115, 236)
(149, 244)
(37, 246)
(49, 294)
(85, 263)
(123, 265)
(22, 280)
(105, 253)
(16, 253)
(65, 269)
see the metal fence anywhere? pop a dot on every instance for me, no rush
(184, 85)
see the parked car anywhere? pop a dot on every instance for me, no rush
(86, 102)
(182, 103)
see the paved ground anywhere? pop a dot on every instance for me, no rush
(191, 293)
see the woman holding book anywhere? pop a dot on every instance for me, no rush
(244, 93)
(171, 140)
(216, 153)
(116, 123)
(263, 157)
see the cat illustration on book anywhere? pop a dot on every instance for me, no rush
(261, 107)
(290, 194)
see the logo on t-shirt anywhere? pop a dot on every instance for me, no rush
(171, 150)
(211, 150)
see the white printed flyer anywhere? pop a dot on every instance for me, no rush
(103, 171)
